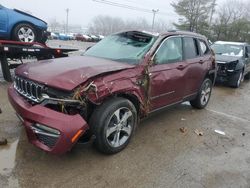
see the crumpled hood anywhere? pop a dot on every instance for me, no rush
(68, 73)
(226, 58)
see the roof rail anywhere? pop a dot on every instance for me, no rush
(186, 32)
(183, 31)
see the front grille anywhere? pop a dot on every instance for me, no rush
(47, 140)
(28, 89)
(222, 68)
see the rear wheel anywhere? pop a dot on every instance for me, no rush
(113, 124)
(203, 96)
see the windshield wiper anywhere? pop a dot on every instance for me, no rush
(126, 60)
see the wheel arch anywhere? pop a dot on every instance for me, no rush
(211, 75)
(132, 97)
(240, 66)
(22, 22)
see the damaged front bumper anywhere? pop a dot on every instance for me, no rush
(47, 129)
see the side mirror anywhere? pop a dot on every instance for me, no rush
(247, 55)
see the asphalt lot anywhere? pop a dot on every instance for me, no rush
(159, 154)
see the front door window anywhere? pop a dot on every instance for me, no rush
(169, 52)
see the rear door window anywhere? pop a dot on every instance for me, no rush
(190, 48)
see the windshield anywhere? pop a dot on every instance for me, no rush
(228, 49)
(128, 47)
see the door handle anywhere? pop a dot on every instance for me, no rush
(181, 67)
(201, 61)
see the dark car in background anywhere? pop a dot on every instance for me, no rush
(83, 38)
(105, 92)
(233, 60)
(21, 26)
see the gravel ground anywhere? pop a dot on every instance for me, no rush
(159, 155)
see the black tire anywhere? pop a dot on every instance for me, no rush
(28, 31)
(236, 79)
(247, 76)
(5, 68)
(106, 128)
(202, 98)
(42, 39)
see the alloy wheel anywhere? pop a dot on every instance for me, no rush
(26, 34)
(119, 127)
(205, 93)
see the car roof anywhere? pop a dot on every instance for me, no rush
(229, 42)
(168, 33)
(185, 33)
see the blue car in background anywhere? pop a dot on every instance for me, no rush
(20, 26)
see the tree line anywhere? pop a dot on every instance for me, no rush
(106, 25)
(229, 21)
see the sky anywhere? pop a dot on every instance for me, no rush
(81, 12)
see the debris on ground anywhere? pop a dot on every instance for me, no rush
(220, 132)
(183, 119)
(0, 111)
(243, 134)
(3, 141)
(199, 133)
(183, 129)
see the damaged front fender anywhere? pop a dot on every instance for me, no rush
(127, 83)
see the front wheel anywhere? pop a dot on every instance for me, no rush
(113, 124)
(24, 33)
(203, 95)
(247, 76)
(236, 79)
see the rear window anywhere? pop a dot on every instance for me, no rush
(190, 48)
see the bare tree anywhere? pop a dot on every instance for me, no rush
(54, 25)
(106, 25)
(232, 21)
(194, 13)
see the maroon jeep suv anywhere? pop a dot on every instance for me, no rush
(105, 92)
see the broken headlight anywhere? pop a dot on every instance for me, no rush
(232, 65)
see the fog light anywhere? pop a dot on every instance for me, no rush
(48, 129)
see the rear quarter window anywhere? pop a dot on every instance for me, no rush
(204, 49)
